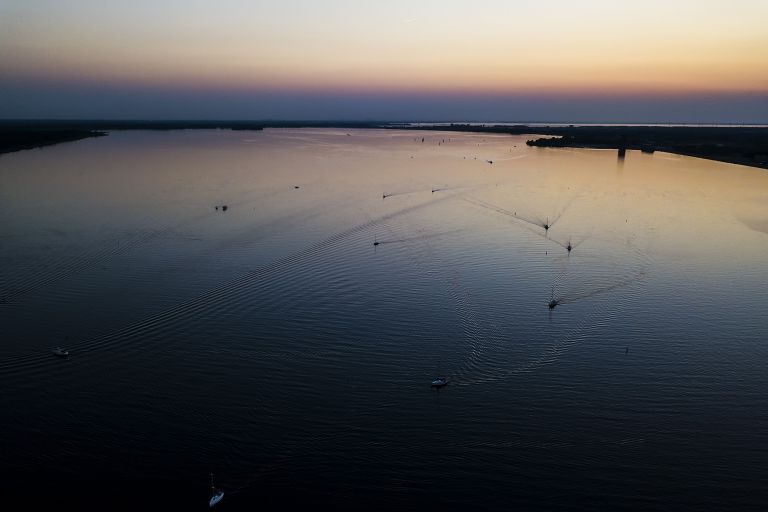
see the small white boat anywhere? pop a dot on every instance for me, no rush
(216, 494)
(439, 382)
(217, 497)
(58, 351)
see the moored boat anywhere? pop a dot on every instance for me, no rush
(439, 382)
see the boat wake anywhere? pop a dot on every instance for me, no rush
(217, 299)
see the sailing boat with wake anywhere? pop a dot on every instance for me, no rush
(216, 494)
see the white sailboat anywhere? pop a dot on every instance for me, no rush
(216, 494)
(58, 351)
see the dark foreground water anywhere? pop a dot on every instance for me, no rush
(273, 344)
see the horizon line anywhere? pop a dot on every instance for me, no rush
(368, 121)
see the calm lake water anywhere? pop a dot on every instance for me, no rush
(273, 344)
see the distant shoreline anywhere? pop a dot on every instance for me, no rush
(19, 140)
(731, 144)
(22, 134)
(736, 145)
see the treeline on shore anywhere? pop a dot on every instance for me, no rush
(740, 145)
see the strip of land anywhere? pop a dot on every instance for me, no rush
(17, 135)
(745, 146)
(733, 144)
(19, 139)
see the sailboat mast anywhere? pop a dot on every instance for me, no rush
(216, 496)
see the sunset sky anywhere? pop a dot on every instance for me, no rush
(485, 60)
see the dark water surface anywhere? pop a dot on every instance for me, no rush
(276, 346)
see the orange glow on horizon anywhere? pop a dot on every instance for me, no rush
(590, 47)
